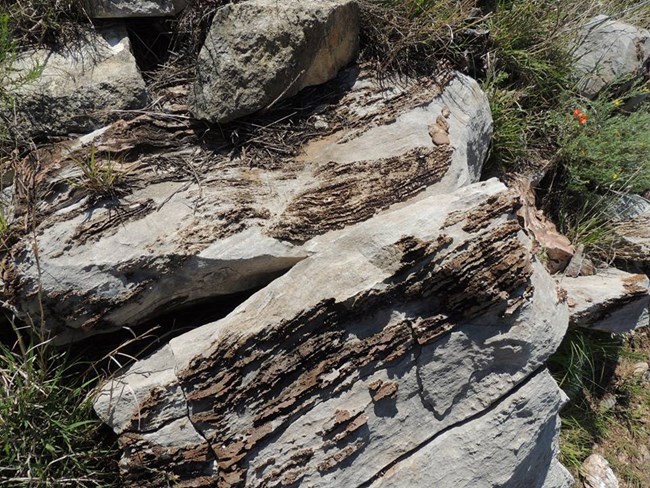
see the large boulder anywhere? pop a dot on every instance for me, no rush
(192, 224)
(258, 52)
(606, 50)
(110, 9)
(409, 347)
(75, 90)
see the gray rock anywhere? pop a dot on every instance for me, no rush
(606, 50)
(609, 301)
(77, 90)
(212, 225)
(632, 243)
(359, 364)
(511, 445)
(640, 368)
(258, 52)
(628, 207)
(596, 473)
(111, 9)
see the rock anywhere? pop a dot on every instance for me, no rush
(515, 438)
(607, 50)
(258, 52)
(596, 473)
(610, 301)
(628, 207)
(77, 90)
(112, 9)
(632, 244)
(580, 265)
(392, 352)
(556, 247)
(640, 368)
(191, 224)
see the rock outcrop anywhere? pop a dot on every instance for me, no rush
(258, 52)
(607, 50)
(194, 223)
(610, 301)
(111, 9)
(383, 359)
(75, 90)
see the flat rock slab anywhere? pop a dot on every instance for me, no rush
(401, 335)
(193, 223)
(76, 90)
(606, 50)
(112, 9)
(258, 52)
(609, 301)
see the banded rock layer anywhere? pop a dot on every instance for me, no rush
(426, 323)
(194, 221)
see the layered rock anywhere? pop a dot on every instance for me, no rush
(258, 52)
(632, 241)
(610, 301)
(191, 222)
(424, 328)
(75, 90)
(607, 50)
(110, 9)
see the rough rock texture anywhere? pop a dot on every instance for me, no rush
(596, 473)
(195, 223)
(110, 9)
(632, 241)
(423, 327)
(610, 301)
(258, 52)
(558, 249)
(606, 50)
(76, 90)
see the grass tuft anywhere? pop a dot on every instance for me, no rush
(48, 434)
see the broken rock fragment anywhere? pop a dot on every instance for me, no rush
(610, 301)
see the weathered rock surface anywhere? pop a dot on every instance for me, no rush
(557, 248)
(194, 223)
(111, 9)
(258, 52)
(596, 473)
(606, 50)
(632, 241)
(426, 326)
(76, 90)
(610, 301)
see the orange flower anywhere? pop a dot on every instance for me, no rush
(579, 116)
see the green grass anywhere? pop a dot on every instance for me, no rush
(100, 177)
(48, 434)
(592, 367)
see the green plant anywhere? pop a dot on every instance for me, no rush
(101, 178)
(48, 436)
